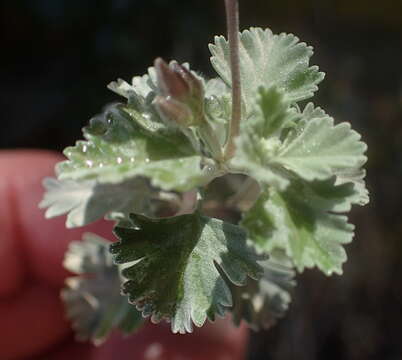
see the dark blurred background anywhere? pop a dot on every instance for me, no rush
(58, 55)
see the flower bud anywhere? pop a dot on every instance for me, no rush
(181, 93)
(170, 82)
(195, 85)
(173, 110)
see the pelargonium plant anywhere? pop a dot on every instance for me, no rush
(287, 174)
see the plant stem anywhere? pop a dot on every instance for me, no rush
(232, 17)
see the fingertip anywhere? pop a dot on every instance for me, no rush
(11, 256)
(218, 341)
(31, 322)
(48, 242)
(69, 349)
(42, 243)
(15, 168)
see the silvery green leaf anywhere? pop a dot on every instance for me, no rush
(355, 176)
(141, 86)
(260, 137)
(278, 143)
(273, 113)
(175, 275)
(216, 87)
(304, 222)
(318, 148)
(92, 299)
(121, 149)
(140, 93)
(269, 60)
(262, 302)
(88, 201)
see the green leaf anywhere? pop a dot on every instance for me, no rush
(93, 301)
(267, 60)
(355, 176)
(278, 142)
(260, 137)
(140, 88)
(273, 113)
(318, 148)
(175, 276)
(88, 201)
(216, 87)
(120, 148)
(303, 221)
(140, 95)
(262, 302)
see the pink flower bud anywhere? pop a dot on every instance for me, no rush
(170, 82)
(181, 94)
(173, 110)
(196, 87)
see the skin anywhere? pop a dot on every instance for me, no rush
(32, 323)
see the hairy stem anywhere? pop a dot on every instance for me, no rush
(232, 16)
